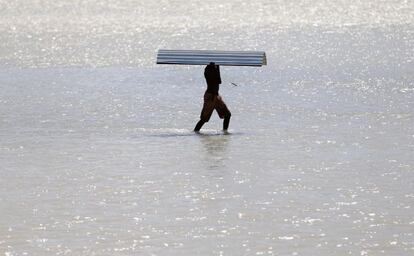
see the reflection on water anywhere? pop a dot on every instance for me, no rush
(215, 150)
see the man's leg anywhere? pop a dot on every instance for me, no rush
(226, 122)
(208, 107)
(223, 112)
(199, 125)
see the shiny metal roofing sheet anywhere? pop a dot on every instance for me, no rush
(204, 57)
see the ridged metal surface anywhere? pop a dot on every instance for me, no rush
(204, 57)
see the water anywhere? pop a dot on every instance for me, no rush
(98, 157)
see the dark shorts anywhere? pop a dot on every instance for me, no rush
(213, 102)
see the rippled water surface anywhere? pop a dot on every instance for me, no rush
(98, 157)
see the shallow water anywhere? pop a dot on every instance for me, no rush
(97, 151)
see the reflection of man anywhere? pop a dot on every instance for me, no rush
(212, 100)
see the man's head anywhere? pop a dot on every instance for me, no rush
(211, 64)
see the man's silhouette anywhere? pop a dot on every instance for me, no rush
(212, 99)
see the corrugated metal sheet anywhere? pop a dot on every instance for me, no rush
(204, 57)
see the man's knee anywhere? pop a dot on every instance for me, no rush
(227, 115)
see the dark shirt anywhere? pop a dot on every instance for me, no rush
(213, 79)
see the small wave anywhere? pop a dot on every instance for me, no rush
(176, 132)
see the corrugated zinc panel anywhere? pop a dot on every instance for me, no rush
(204, 57)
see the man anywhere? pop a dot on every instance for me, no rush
(212, 99)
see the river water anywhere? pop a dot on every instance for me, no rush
(98, 157)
